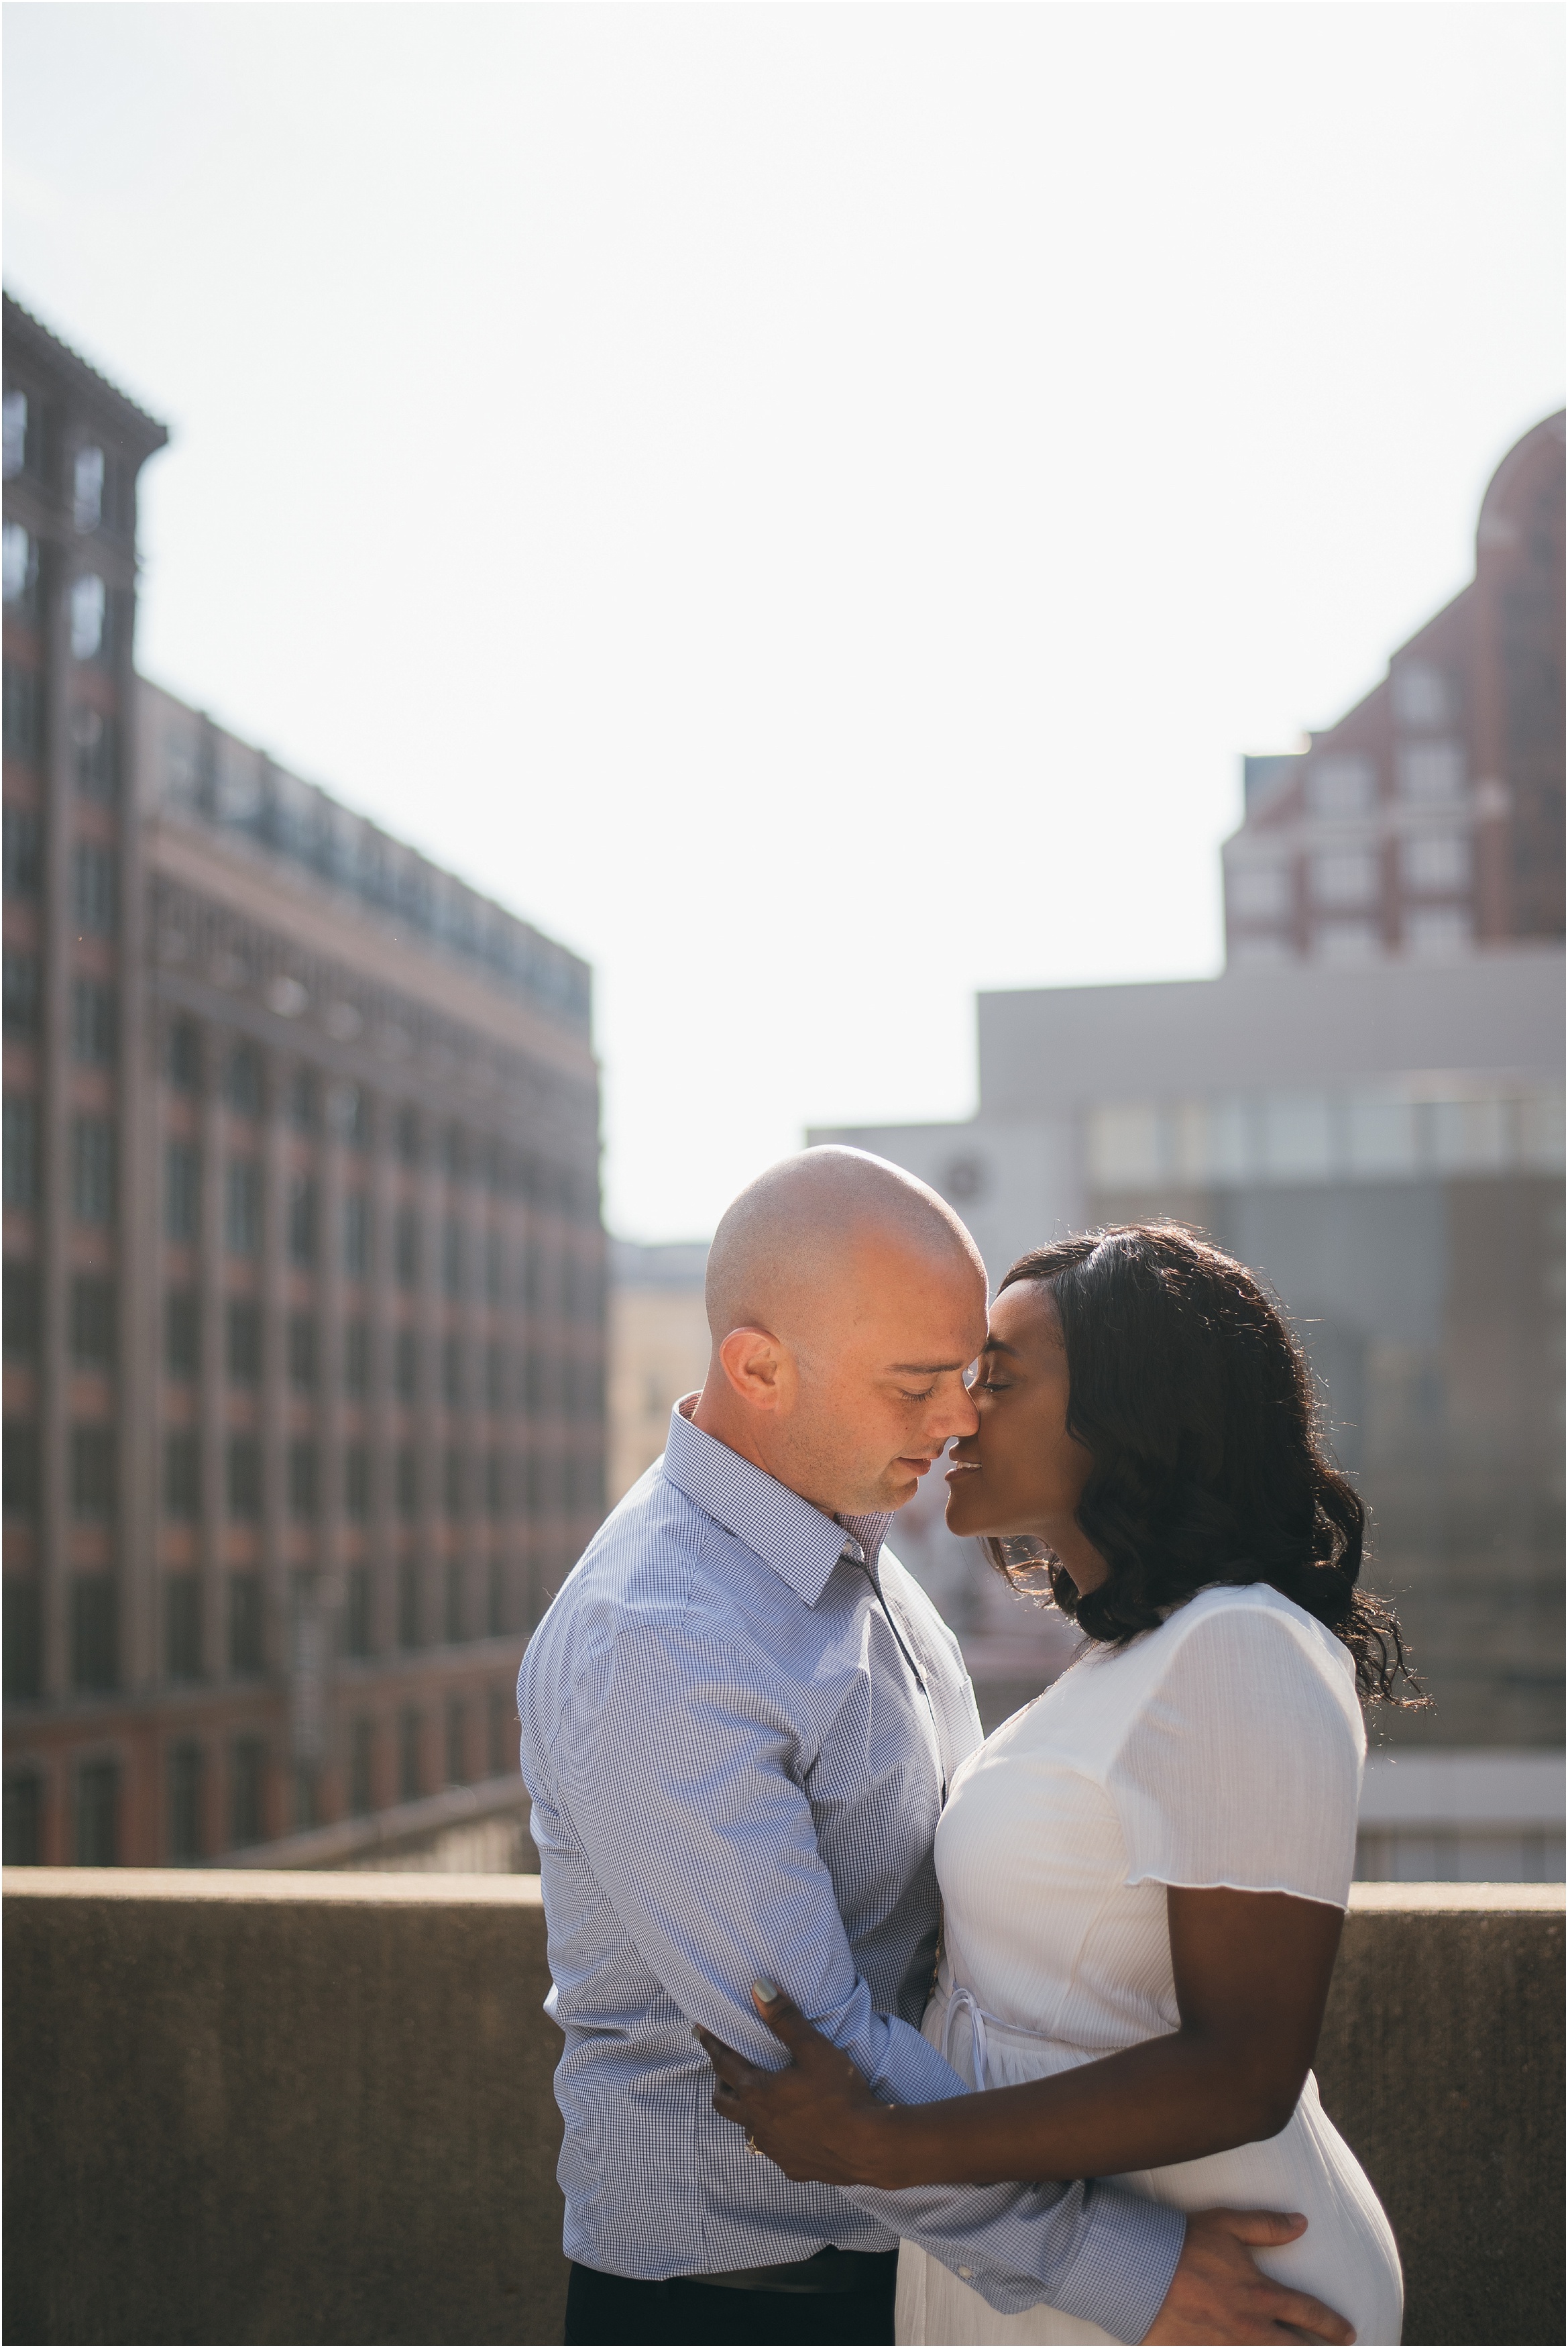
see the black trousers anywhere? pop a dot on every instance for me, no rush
(606, 2311)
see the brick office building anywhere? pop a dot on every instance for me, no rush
(1429, 820)
(305, 1270)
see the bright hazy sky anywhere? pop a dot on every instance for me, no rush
(806, 503)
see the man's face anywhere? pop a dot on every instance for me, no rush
(877, 1390)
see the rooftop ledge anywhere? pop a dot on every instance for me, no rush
(435, 1890)
(264, 2104)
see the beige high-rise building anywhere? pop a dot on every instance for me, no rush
(658, 1348)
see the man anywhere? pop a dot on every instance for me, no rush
(740, 1718)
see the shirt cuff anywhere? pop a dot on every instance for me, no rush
(1123, 2267)
(912, 2072)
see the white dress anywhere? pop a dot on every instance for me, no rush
(1225, 1747)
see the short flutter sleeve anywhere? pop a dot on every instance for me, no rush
(1243, 1765)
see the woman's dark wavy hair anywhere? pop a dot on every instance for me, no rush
(1196, 1404)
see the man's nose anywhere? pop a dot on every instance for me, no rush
(960, 1417)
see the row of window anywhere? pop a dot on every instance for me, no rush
(1435, 864)
(94, 1011)
(495, 1483)
(98, 483)
(95, 873)
(1343, 784)
(90, 1167)
(425, 1609)
(96, 1792)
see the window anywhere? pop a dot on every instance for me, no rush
(184, 1063)
(302, 1353)
(1437, 932)
(302, 1219)
(182, 1333)
(1347, 941)
(95, 880)
(1341, 786)
(23, 1818)
(1346, 877)
(182, 1475)
(408, 1137)
(185, 1784)
(361, 1772)
(22, 996)
(22, 713)
(247, 1786)
(92, 1472)
(95, 1023)
(409, 1604)
(451, 1482)
(304, 1480)
(495, 1484)
(356, 1359)
(20, 564)
(181, 1190)
(21, 850)
(95, 752)
(245, 1350)
(242, 1208)
(20, 1152)
(356, 1482)
(1422, 696)
(452, 1619)
(182, 1626)
(21, 1467)
(410, 1777)
(87, 602)
(93, 1170)
(304, 1101)
(495, 1377)
(1436, 863)
(242, 1080)
(95, 1632)
(93, 1322)
(1431, 774)
(406, 1246)
(456, 1742)
(20, 1315)
(452, 1370)
(246, 1654)
(354, 1117)
(406, 1365)
(23, 1637)
(407, 1480)
(356, 1235)
(495, 1599)
(454, 1153)
(495, 1268)
(88, 488)
(357, 1613)
(15, 433)
(245, 1477)
(97, 1813)
(451, 1257)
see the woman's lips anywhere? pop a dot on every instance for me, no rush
(961, 1468)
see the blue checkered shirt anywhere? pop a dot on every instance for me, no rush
(739, 1720)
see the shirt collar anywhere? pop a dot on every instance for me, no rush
(787, 1533)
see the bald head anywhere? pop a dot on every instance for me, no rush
(845, 1300)
(785, 1250)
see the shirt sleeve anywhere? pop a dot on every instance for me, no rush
(1242, 1767)
(680, 1778)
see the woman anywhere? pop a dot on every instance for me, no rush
(1145, 1872)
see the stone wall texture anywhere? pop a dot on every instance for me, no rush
(291, 2108)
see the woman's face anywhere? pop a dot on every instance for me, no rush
(1020, 1472)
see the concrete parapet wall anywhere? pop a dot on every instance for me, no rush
(275, 2107)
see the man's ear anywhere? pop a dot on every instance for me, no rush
(757, 1366)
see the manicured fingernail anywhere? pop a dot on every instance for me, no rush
(766, 1991)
